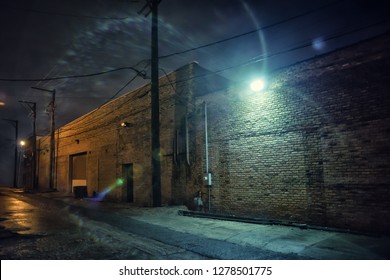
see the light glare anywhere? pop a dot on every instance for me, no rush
(258, 85)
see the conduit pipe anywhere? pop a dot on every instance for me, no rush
(207, 176)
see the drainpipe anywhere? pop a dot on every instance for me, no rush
(207, 176)
(187, 144)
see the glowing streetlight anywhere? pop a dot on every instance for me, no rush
(258, 85)
(22, 143)
(2, 103)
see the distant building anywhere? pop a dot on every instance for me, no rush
(313, 147)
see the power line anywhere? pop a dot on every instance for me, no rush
(253, 31)
(253, 60)
(301, 46)
(250, 61)
(140, 73)
(104, 114)
(51, 13)
(180, 52)
(112, 97)
(118, 91)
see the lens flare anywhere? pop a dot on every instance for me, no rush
(118, 183)
(157, 154)
(318, 44)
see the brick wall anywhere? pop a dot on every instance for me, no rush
(313, 148)
(108, 146)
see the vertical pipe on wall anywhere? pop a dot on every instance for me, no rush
(206, 138)
(98, 176)
(56, 159)
(187, 143)
(207, 153)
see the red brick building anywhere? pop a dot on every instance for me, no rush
(313, 148)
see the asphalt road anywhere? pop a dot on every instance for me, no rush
(33, 227)
(55, 225)
(36, 227)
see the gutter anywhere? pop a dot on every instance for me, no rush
(197, 214)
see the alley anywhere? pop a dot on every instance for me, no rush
(58, 226)
(32, 227)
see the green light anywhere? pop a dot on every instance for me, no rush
(119, 182)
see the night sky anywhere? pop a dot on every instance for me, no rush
(49, 38)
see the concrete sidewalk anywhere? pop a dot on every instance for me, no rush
(305, 243)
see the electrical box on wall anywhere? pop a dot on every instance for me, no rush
(207, 179)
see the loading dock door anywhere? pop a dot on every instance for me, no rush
(78, 170)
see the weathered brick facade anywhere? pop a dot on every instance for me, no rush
(108, 148)
(314, 147)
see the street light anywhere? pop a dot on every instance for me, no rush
(125, 124)
(258, 85)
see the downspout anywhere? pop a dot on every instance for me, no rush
(206, 138)
(98, 175)
(187, 144)
(208, 175)
(38, 163)
(56, 160)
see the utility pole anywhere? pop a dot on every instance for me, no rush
(33, 108)
(52, 140)
(155, 105)
(15, 122)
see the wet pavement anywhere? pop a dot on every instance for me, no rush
(89, 229)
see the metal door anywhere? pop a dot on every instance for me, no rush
(128, 182)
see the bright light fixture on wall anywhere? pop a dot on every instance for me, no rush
(125, 124)
(258, 85)
(22, 143)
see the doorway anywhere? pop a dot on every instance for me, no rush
(128, 181)
(78, 170)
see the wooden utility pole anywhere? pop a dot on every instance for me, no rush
(15, 122)
(33, 108)
(156, 157)
(155, 105)
(52, 140)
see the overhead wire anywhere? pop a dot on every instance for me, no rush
(112, 97)
(142, 74)
(250, 61)
(74, 125)
(52, 13)
(253, 60)
(187, 50)
(301, 46)
(253, 31)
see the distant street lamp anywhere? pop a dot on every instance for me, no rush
(2, 103)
